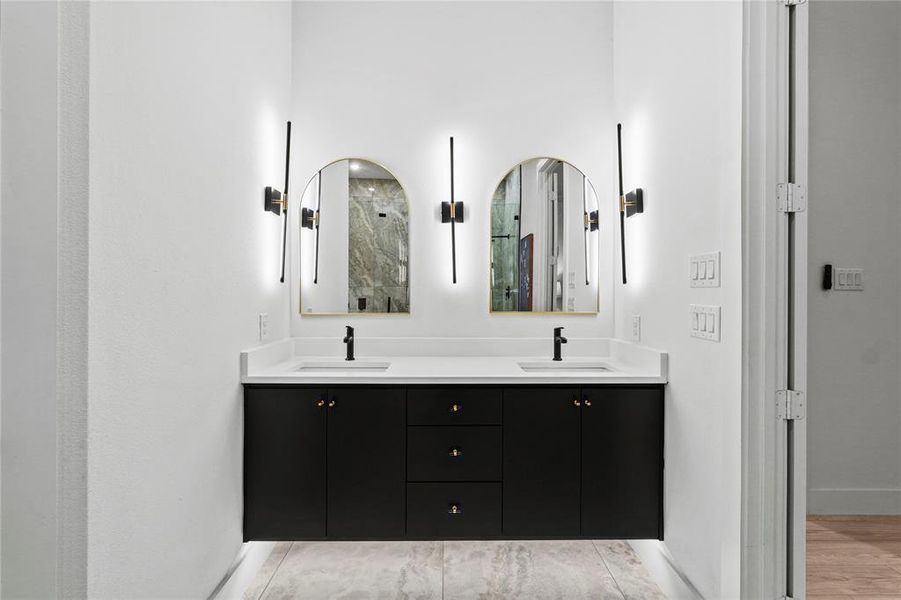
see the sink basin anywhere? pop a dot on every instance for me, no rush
(550, 366)
(344, 366)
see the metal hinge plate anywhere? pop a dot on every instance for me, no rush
(790, 405)
(792, 197)
(793, 2)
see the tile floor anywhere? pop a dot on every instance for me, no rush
(520, 569)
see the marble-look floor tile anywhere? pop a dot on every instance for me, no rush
(259, 583)
(526, 569)
(358, 570)
(628, 571)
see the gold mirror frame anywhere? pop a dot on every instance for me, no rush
(299, 253)
(490, 262)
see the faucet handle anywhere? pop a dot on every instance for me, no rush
(558, 331)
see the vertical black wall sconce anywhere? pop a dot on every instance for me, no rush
(452, 212)
(309, 218)
(276, 202)
(629, 204)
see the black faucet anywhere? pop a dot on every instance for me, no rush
(349, 340)
(558, 340)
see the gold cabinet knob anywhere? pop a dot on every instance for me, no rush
(455, 408)
(576, 402)
(455, 509)
(320, 403)
(455, 452)
(331, 403)
(587, 402)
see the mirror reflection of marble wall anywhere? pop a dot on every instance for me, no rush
(360, 264)
(544, 240)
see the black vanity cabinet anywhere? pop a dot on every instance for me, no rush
(366, 462)
(453, 462)
(324, 463)
(622, 462)
(284, 463)
(541, 462)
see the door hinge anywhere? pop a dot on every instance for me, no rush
(793, 2)
(791, 197)
(790, 405)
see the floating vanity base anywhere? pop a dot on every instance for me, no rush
(395, 462)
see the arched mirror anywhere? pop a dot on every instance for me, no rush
(354, 241)
(544, 240)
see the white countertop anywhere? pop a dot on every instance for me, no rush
(314, 361)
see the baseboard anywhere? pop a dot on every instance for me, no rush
(854, 501)
(659, 563)
(243, 570)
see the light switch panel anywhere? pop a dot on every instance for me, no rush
(704, 270)
(847, 280)
(704, 322)
(264, 327)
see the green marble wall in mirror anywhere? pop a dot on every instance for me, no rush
(544, 240)
(354, 241)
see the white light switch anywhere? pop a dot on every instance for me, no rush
(705, 322)
(704, 270)
(848, 280)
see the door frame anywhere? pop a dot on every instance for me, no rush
(774, 297)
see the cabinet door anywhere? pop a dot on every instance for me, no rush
(541, 462)
(366, 462)
(622, 462)
(284, 463)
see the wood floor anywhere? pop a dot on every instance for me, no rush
(855, 557)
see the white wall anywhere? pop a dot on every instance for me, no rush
(392, 81)
(187, 106)
(854, 408)
(28, 355)
(677, 69)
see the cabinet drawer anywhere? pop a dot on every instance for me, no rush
(453, 510)
(454, 406)
(454, 453)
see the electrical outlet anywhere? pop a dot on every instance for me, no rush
(705, 322)
(847, 280)
(704, 270)
(636, 328)
(264, 327)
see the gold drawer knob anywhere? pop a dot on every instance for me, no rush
(456, 452)
(320, 403)
(587, 402)
(576, 402)
(331, 403)
(455, 408)
(455, 509)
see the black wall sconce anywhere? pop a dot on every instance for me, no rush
(452, 212)
(276, 202)
(309, 218)
(629, 204)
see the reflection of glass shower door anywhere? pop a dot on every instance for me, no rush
(555, 256)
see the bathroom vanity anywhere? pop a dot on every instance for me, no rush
(491, 447)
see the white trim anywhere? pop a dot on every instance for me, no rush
(854, 501)
(662, 568)
(243, 570)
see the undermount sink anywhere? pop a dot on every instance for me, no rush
(343, 366)
(548, 366)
